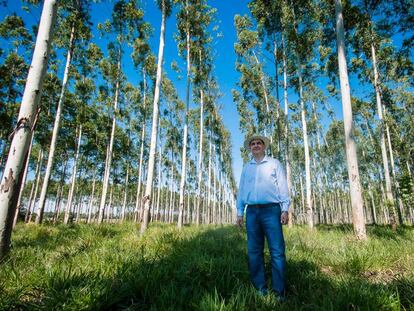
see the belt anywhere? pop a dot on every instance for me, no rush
(263, 205)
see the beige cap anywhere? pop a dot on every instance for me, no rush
(249, 139)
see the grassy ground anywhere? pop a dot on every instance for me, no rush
(108, 267)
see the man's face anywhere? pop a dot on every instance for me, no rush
(257, 147)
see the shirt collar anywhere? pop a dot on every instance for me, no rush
(265, 159)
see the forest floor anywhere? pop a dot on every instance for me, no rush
(109, 267)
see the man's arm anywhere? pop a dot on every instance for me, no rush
(283, 193)
(283, 189)
(240, 202)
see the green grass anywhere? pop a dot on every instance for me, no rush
(109, 267)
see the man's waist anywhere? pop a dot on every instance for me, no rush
(263, 205)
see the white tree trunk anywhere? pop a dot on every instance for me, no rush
(154, 130)
(185, 134)
(111, 144)
(12, 177)
(138, 212)
(125, 195)
(159, 181)
(269, 121)
(92, 198)
(200, 157)
(55, 133)
(286, 104)
(388, 189)
(73, 179)
(32, 200)
(16, 215)
(309, 205)
(357, 203)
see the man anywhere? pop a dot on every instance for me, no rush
(263, 189)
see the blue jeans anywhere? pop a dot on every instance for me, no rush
(261, 222)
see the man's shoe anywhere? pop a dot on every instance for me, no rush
(262, 292)
(281, 298)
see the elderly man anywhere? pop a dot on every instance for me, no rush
(263, 189)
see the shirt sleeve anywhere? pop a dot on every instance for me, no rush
(240, 203)
(283, 187)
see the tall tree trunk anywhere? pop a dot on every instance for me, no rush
(277, 96)
(269, 122)
(33, 195)
(73, 179)
(389, 195)
(309, 205)
(154, 130)
(185, 134)
(400, 210)
(60, 192)
(159, 181)
(111, 142)
(200, 157)
(125, 195)
(26, 166)
(55, 133)
(138, 206)
(286, 104)
(13, 170)
(209, 179)
(92, 198)
(358, 219)
(171, 188)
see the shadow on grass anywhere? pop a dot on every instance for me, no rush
(378, 231)
(209, 272)
(48, 237)
(386, 232)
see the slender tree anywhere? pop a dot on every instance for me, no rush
(11, 181)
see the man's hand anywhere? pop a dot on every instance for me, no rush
(239, 221)
(284, 218)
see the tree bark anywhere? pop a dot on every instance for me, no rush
(55, 133)
(185, 134)
(125, 195)
(13, 171)
(92, 198)
(111, 143)
(286, 103)
(154, 130)
(138, 206)
(388, 189)
(73, 179)
(200, 157)
(358, 219)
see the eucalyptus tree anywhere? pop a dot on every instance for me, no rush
(84, 92)
(77, 21)
(268, 15)
(126, 23)
(11, 181)
(173, 118)
(13, 69)
(372, 34)
(350, 146)
(193, 19)
(253, 81)
(298, 20)
(166, 8)
(145, 61)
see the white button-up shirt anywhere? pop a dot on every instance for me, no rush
(262, 183)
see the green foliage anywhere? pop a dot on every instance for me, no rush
(90, 267)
